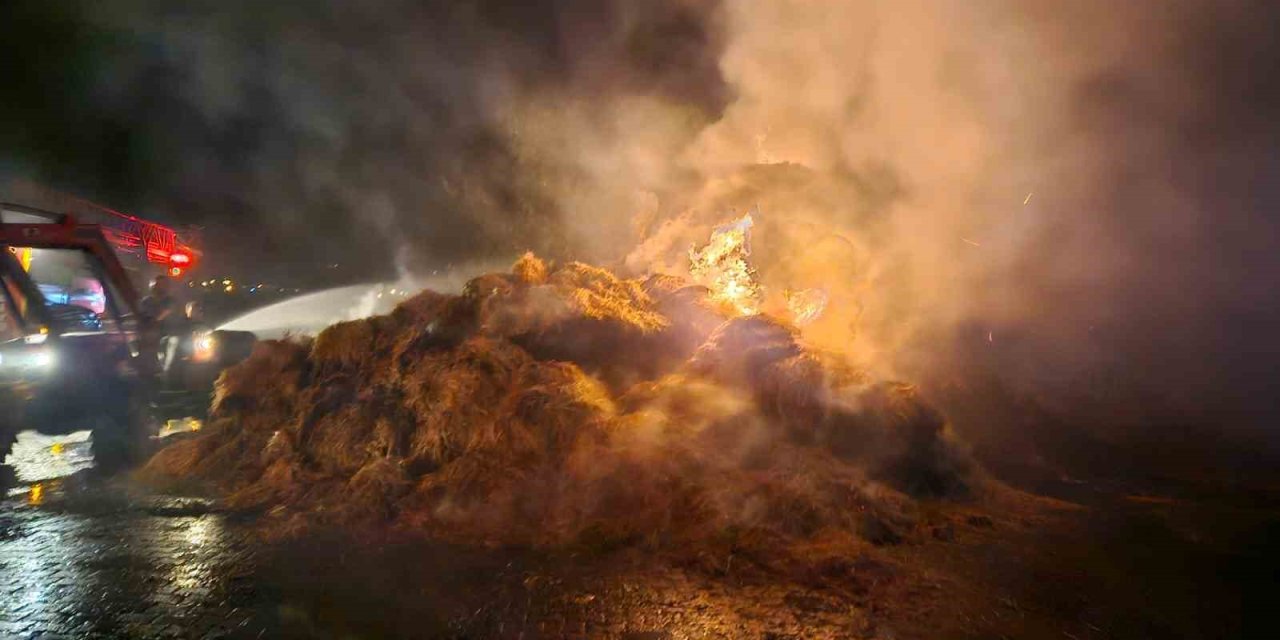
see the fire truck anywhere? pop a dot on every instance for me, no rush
(76, 350)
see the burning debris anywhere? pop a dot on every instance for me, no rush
(722, 267)
(806, 305)
(562, 404)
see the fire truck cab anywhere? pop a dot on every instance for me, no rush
(75, 350)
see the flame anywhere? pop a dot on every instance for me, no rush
(721, 266)
(806, 305)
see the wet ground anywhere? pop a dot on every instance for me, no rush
(85, 555)
(82, 557)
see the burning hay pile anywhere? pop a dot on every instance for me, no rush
(560, 404)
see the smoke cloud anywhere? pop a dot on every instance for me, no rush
(1072, 195)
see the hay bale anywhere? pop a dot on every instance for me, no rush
(344, 346)
(530, 269)
(740, 349)
(901, 439)
(269, 378)
(374, 492)
(550, 406)
(535, 303)
(609, 326)
(600, 295)
(457, 398)
(490, 284)
(885, 428)
(689, 307)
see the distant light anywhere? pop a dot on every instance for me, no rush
(226, 281)
(179, 258)
(175, 271)
(37, 338)
(43, 359)
(229, 288)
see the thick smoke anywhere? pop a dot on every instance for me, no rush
(361, 134)
(1069, 194)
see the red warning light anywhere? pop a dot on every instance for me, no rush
(179, 262)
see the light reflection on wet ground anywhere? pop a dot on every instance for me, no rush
(37, 457)
(81, 556)
(118, 571)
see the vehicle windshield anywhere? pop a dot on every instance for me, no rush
(74, 294)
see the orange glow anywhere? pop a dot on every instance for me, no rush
(806, 305)
(36, 496)
(23, 254)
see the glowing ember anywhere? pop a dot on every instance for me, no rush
(721, 266)
(806, 305)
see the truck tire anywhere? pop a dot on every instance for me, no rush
(8, 436)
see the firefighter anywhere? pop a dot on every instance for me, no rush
(166, 319)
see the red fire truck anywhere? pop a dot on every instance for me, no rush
(76, 352)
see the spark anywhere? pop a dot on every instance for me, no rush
(970, 242)
(1027, 201)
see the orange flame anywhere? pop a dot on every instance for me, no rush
(806, 305)
(721, 266)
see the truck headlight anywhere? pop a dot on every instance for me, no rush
(205, 346)
(43, 359)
